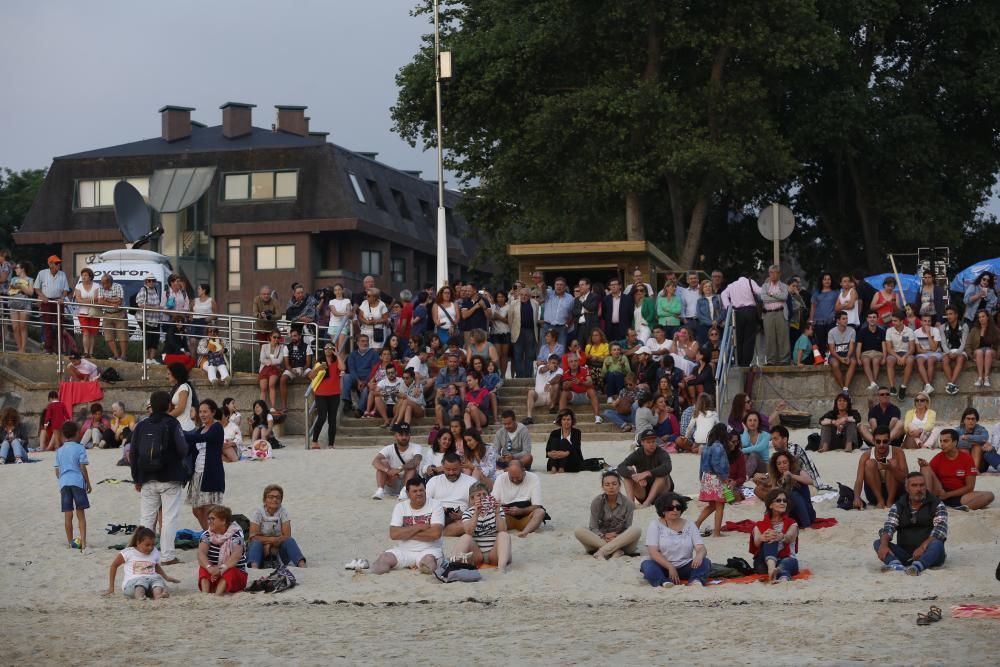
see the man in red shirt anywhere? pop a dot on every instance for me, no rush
(578, 387)
(951, 475)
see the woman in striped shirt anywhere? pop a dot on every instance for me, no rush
(485, 539)
(222, 554)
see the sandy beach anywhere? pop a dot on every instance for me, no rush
(555, 606)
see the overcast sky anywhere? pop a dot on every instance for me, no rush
(85, 74)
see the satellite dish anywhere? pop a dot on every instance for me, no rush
(131, 213)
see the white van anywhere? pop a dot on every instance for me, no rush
(127, 267)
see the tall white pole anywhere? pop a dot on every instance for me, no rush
(442, 227)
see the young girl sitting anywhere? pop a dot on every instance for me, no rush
(144, 577)
(714, 473)
(232, 443)
(213, 357)
(221, 554)
(262, 423)
(235, 415)
(493, 382)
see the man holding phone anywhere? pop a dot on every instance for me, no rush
(451, 490)
(882, 472)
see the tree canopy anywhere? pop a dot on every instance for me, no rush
(876, 120)
(17, 192)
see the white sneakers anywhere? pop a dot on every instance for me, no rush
(598, 419)
(978, 382)
(873, 387)
(357, 564)
(928, 388)
(986, 382)
(379, 494)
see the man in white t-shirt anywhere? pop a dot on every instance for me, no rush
(520, 493)
(451, 490)
(659, 345)
(900, 350)
(395, 464)
(418, 363)
(416, 525)
(386, 391)
(547, 386)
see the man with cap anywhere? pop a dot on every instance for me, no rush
(148, 296)
(646, 471)
(52, 288)
(396, 463)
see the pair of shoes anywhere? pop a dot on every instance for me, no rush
(902, 392)
(873, 387)
(928, 388)
(379, 494)
(951, 389)
(978, 382)
(598, 419)
(893, 391)
(894, 566)
(357, 564)
(527, 421)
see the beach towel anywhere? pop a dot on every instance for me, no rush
(975, 611)
(73, 393)
(754, 578)
(746, 526)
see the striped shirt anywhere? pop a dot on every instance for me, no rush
(116, 292)
(939, 531)
(213, 550)
(485, 533)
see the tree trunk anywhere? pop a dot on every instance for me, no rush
(677, 210)
(634, 230)
(693, 242)
(869, 225)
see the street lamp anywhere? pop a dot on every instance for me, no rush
(442, 70)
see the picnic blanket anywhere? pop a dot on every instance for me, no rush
(975, 611)
(746, 526)
(73, 393)
(755, 578)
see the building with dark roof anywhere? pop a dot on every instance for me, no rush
(243, 207)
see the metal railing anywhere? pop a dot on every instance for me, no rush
(239, 331)
(727, 354)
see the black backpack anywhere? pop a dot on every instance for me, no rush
(150, 445)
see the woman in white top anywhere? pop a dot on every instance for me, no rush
(373, 316)
(501, 330)
(340, 313)
(232, 444)
(702, 421)
(676, 549)
(445, 314)
(203, 309)
(847, 301)
(639, 323)
(182, 396)
(85, 295)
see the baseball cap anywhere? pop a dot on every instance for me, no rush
(643, 350)
(648, 433)
(401, 427)
(53, 258)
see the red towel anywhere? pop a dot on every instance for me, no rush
(754, 578)
(746, 526)
(72, 393)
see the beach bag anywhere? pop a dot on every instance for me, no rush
(845, 500)
(593, 465)
(812, 442)
(740, 565)
(109, 374)
(243, 522)
(150, 447)
(281, 579)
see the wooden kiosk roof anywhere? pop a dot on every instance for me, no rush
(608, 249)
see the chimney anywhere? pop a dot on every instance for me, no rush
(319, 137)
(292, 119)
(175, 122)
(307, 119)
(236, 117)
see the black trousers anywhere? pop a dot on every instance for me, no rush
(326, 408)
(746, 334)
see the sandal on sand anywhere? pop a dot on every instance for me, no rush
(934, 614)
(924, 619)
(706, 532)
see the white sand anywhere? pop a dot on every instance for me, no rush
(562, 606)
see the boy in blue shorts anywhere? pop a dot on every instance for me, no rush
(74, 482)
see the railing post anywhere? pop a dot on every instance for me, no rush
(232, 342)
(145, 366)
(59, 364)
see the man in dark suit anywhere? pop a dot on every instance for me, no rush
(616, 312)
(585, 312)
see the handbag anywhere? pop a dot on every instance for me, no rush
(378, 334)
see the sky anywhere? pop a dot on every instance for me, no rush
(84, 75)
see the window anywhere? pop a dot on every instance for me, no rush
(260, 186)
(371, 262)
(397, 267)
(449, 222)
(234, 281)
(425, 210)
(94, 193)
(271, 257)
(404, 210)
(373, 188)
(357, 188)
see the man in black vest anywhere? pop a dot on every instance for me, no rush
(920, 523)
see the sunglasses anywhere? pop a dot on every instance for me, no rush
(884, 394)
(881, 441)
(675, 508)
(920, 400)
(783, 501)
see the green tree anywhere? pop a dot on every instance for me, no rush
(583, 116)
(897, 136)
(17, 192)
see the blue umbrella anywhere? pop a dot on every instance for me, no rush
(967, 276)
(909, 284)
